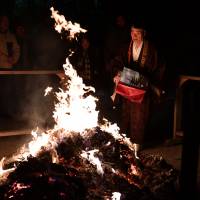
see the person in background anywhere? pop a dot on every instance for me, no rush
(9, 48)
(23, 41)
(142, 57)
(86, 60)
(116, 37)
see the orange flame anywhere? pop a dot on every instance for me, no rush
(61, 23)
(4, 173)
(75, 111)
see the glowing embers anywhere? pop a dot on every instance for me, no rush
(95, 167)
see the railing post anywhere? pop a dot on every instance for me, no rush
(191, 131)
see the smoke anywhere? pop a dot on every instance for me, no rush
(34, 108)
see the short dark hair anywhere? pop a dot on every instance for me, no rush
(139, 24)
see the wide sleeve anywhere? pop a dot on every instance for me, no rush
(155, 66)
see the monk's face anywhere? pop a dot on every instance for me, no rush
(137, 34)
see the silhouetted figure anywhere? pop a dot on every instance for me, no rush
(86, 59)
(116, 37)
(191, 143)
(23, 39)
(9, 48)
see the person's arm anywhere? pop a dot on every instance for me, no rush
(116, 81)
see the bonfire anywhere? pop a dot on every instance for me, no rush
(79, 158)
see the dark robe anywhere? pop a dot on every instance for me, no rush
(135, 115)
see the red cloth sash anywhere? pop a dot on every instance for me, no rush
(131, 93)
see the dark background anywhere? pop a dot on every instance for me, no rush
(173, 25)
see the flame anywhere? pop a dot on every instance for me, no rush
(38, 141)
(48, 90)
(75, 112)
(89, 155)
(61, 24)
(73, 107)
(116, 196)
(113, 129)
(4, 173)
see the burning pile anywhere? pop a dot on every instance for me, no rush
(90, 168)
(81, 159)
